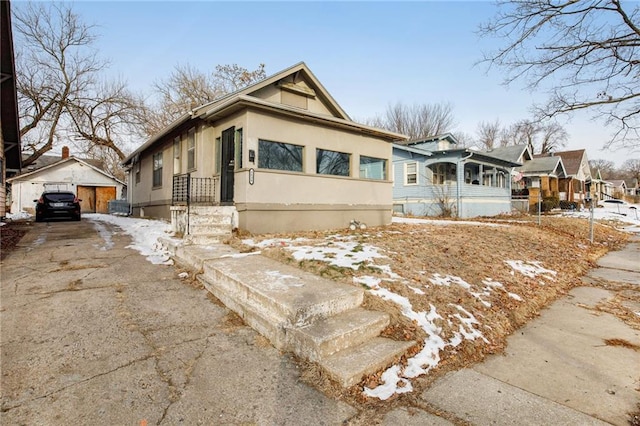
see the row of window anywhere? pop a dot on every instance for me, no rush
(273, 156)
(442, 173)
(289, 157)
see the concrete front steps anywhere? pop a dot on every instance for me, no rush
(315, 318)
(209, 224)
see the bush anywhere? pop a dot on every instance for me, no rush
(550, 203)
(547, 204)
(568, 205)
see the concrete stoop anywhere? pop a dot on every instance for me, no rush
(209, 224)
(315, 318)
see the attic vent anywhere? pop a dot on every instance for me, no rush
(298, 89)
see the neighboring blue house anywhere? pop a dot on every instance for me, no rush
(434, 178)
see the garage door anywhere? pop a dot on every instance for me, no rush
(95, 199)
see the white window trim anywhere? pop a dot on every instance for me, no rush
(194, 149)
(406, 175)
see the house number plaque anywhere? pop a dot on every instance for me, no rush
(251, 176)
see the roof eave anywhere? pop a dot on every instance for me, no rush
(149, 142)
(223, 109)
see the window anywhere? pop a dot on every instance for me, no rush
(238, 149)
(157, 169)
(410, 173)
(373, 168)
(279, 156)
(332, 163)
(439, 173)
(137, 169)
(218, 155)
(176, 155)
(191, 149)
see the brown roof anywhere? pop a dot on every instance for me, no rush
(571, 160)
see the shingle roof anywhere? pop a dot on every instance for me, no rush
(511, 153)
(47, 160)
(543, 165)
(433, 138)
(571, 160)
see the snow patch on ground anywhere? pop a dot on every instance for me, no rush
(21, 215)
(105, 234)
(144, 234)
(531, 269)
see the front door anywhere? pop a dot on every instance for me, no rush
(228, 166)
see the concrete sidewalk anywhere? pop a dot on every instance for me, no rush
(557, 369)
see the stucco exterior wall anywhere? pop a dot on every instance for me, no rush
(279, 201)
(265, 205)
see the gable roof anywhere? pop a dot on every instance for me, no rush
(543, 166)
(618, 183)
(61, 162)
(430, 139)
(244, 97)
(412, 149)
(511, 153)
(299, 69)
(461, 152)
(572, 160)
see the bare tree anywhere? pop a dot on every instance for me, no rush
(60, 93)
(229, 78)
(540, 138)
(583, 52)
(464, 139)
(488, 134)
(187, 87)
(552, 137)
(523, 132)
(631, 168)
(109, 118)
(416, 121)
(607, 168)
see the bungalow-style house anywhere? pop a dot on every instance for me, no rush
(619, 188)
(281, 152)
(434, 178)
(536, 178)
(600, 188)
(633, 188)
(90, 183)
(544, 173)
(10, 161)
(573, 185)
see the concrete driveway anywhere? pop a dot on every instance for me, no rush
(92, 333)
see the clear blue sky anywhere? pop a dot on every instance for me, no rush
(367, 54)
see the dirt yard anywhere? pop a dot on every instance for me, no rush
(11, 233)
(482, 281)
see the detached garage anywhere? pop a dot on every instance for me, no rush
(93, 186)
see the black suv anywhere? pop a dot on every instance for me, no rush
(53, 204)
